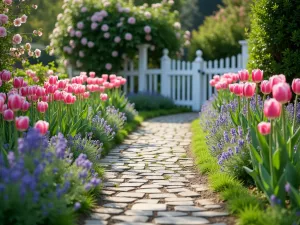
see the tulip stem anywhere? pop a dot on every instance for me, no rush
(239, 100)
(284, 128)
(248, 109)
(295, 110)
(271, 152)
(262, 111)
(256, 93)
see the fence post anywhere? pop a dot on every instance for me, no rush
(165, 69)
(244, 45)
(197, 84)
(143, 66)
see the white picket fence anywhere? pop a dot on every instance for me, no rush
(187, 83)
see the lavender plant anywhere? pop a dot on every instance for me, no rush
(114, 118)
(40, 184)
(130, 111)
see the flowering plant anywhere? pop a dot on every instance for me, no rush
(97, 35)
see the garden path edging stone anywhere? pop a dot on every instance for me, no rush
(148, 179)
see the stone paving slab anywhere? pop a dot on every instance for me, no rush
(149, 179)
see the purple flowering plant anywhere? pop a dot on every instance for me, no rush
(41, 182)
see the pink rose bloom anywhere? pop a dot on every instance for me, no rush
(148, 37)
(103, 13)
(81, 54)
(78, 34)
(147, 15)
(147, 29)
(117, 39)
(3, 19)
(131, 20)
(128, 36)
(3, 32)
(17, 22)
(37, 53)
(105, 27)
(84, 41)
(94, 26)
(108, 66)
(106, 35)
(80, 25)
(24, 19)
(17, 39)
(114, 54)
(91, 44)
(7, 2)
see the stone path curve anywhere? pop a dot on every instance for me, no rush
(147, 179)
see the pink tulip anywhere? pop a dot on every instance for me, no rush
(2, 101)
(266, 87)
(8, 115)
(249, 89)
(282, 92)
(15, 102)
(45, 98)
(272, 108)
(25, 106)
(105, 77)
(18, 82)
(216, 78)
(102, 89)
(92, 74)
(257, 75)
(68, 99)
(296, 86)
(243, 75)
(276, 79)
(103, 97)
(51, 89)
(212, 83)
(3, 95)
(4, 107)
(86, 95)
(42, 126)
(231, 87)
(42, 107)
(238, 89)
(40, 91)
(61, 84)
(53, 80)
(123, 81)
(5, 75)
(22, 123)
(264, 128)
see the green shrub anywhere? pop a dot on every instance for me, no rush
(147, 101)
(275, 36)
(219, 35)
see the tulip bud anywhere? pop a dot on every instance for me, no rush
(266, 87)
(53, 80)
(243, 75)
(42, 126)
(296, 86)
(272, 108)
(264, 128)
(238, 89)
(15, 102)
(282, 92)
(22, 123)
(257, 75)
(249, 89)
(5, 75)
(92, 74)
(103, 97)
(18, 82)
(42, 107)
(8, 115)
(25, 106)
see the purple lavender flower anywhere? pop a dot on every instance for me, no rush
(77, 206)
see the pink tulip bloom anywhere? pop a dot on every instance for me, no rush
(249, 89)
(105, 77)
(24, 91)
(8, 115)
(282, 92)
(5, 75)
(42, 126)
(22, 123)
(2, 101)
(68, 99)
(296, 86)
(257, 75)
(42, 107)
(231, 87)
(25, 106)
(264, 128)
(103, 97)
(15, 102)
(266, 87)
(216, 78)
(272, 108)
(238, 89)
(86, 95)
(276, 79)
(101, 89)
(123, 81)
(3, 95)
(40, 91)
(53, 79)
(243, 75)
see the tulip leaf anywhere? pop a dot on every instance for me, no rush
(295, 196)
(276, 159)
(255, 155)
(265, 178)
(295, 138)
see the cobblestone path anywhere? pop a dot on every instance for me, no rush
(149, 179)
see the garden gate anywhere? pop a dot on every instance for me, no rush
(187, 83)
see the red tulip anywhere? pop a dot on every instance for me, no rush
(15, 102)
(264, 128)
(25, 106)
(8, 115)
(5, 75)
(42, 107)
(22, 123)
(257, 75)
(276, 79)
(42, 126)
(282, 92)
(103, 97)
(296, 86)
(244, 75)
(18, 82)
(249, 89)
(266, 87)
(272, 108)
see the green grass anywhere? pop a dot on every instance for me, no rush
(245, 205)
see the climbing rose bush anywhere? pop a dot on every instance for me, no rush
(98, 35)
